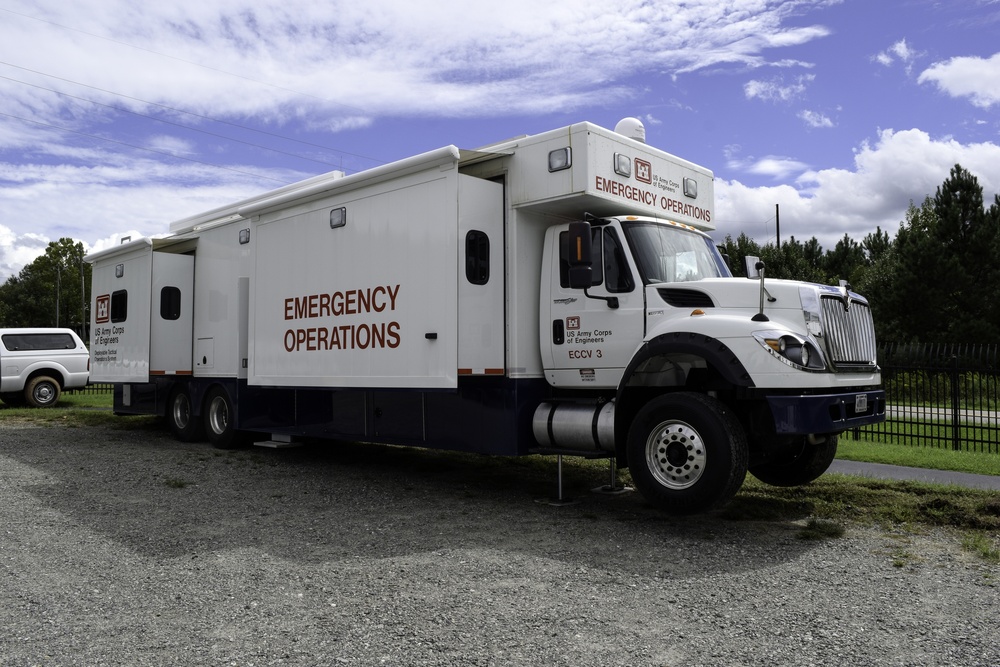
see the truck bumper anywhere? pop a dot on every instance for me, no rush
(826, 413)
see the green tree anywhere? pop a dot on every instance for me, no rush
(844, 261)
(738, 250)
(790, 261)
(51, 291)
(967, 238)
(876, 246)
(813, 253)
(936, 282)
(875, 280)
(922, 303)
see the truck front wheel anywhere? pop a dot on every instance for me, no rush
(800, 467)
(687, 452)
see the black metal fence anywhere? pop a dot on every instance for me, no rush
(940, 396)
(96, 388)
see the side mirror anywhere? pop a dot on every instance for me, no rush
(577, 254)
(753, 266)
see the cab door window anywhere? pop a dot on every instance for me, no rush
(617, 275)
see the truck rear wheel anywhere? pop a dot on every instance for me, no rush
(218, 414)
(687, 453)
(42, 392)
(798, 468)
(180, 417)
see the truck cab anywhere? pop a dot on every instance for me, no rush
(704, 368)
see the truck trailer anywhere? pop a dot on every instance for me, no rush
(556, 293)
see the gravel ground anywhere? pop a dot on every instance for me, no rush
(128, 548)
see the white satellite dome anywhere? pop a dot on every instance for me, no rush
(631, 128)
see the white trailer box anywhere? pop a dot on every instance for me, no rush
(359, 288)
(130, 340)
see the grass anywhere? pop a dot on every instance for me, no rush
(79, 410)
(981, 545)
(936, 458)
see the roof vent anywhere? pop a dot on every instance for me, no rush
(631, 128)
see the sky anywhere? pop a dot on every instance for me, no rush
(119, 117)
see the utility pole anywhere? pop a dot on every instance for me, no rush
(58, 286)
(777, 225)
(83, 303)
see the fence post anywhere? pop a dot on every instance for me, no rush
(955, 394)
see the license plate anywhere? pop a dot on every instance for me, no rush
(861, 403)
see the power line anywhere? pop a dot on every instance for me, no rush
(191, 113)
(141, 148)
(181, 125)
(189, 62)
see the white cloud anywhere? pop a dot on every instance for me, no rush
(351, 59)
(889, 173)
(776, 90)
(319, 66)
(774, 166)
(815, 119)
(99, 202)
(972, 77)
(900, 52)
(171, 145)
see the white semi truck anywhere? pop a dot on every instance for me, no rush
(554, 293)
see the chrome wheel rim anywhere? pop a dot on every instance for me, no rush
(43, 393)
(675, 454)
(218, 415)
(182, 411)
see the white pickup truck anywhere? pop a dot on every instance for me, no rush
(37, 364)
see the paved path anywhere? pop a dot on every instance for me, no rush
(884, 471)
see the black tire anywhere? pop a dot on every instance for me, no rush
(804, 465)
(687, 453)
(42, 392)
(180, 417)
(218, 417)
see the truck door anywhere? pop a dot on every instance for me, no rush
(589, 338)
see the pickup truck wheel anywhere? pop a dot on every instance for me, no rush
(801, 467)
(218, 414)
(180, 416)
(687, 453)
(42, 392)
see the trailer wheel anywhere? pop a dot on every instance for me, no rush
(801, 467)
(687, 452)
(42, 392)
(218, 414)
(180, 416)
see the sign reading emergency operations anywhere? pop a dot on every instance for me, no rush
(352, 319)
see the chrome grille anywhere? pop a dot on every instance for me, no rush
(849, 333)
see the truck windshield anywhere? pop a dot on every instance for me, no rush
(668, 254)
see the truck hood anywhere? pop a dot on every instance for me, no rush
(744, 293)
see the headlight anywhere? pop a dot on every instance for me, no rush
(792, 349)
